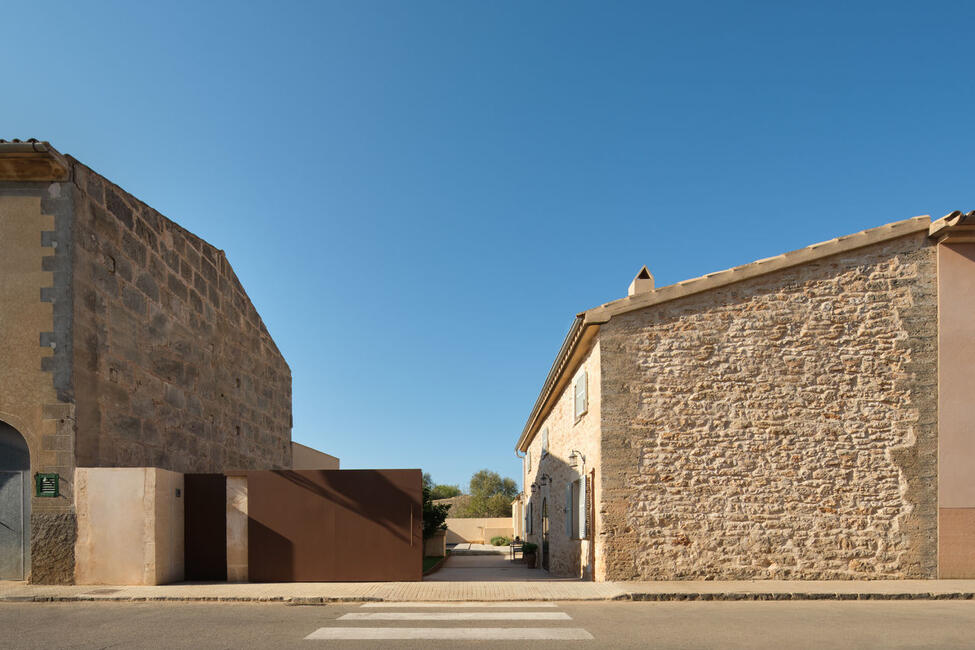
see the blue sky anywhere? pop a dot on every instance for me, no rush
(419, 196)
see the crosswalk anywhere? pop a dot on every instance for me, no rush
(386, 624)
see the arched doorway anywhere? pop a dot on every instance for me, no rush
(14, 503)
(545, 534)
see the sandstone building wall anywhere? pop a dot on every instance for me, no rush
(173, 366)
(567, 557)
(35, 398)
(125, 341)
(780, 427)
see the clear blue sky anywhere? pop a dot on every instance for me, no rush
(419, 196)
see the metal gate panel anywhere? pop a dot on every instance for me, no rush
(12, 525)
(334, 525)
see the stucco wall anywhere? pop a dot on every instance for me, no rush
(173, 366)
(304, 457)
(567, 557)
(35, 395)
(479, 530)
(781, 427)
(130, 526)
(956, 419)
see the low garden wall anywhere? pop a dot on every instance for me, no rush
(477, 530)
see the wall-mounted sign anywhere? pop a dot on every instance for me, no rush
(46, 485)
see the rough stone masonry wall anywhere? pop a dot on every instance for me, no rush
(567, 557)
(781, 427)
(173, 367)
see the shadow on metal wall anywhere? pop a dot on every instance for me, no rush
(334, 525)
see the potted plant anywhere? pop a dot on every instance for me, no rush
(528, 553)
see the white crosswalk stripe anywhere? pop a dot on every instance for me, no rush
(457, 616)
(530, 604)
(452, 633)
(339, 631)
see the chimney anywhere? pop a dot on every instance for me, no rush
(642, 283)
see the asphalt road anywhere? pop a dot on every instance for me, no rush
(808, 624)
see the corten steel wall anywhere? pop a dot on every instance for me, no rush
(205, 528)
(334, 525)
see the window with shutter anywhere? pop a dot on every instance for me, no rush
(581, 395)
(582, 509)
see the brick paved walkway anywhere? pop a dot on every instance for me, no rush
(501, 590)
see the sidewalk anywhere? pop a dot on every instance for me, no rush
(312, 593)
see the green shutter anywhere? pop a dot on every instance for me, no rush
(568, 510)
(582, 509)
(581, 394)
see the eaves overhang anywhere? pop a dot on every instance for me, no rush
(954, 228)
(32, 160)
(586, 325)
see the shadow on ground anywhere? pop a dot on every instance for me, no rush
(495, 567)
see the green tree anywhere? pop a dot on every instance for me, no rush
(444, 491)
(434, 515)
(491, 495)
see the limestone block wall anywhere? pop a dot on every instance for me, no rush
(173, 366)
(781, 427)
(36, 396)
(130, 526)
(567, 557)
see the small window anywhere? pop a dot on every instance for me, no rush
(545, 441)
(528, 461)
(581, 395)
(528, 518)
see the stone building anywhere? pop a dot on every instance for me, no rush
(806, 416)
(125, 341)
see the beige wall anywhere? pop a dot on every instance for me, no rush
(567, 557)
(28, 399)
(956, 421)
(518, 516)
(781, 427)
(237, 563)
(304, 457)
(474, 529)
(130, 526)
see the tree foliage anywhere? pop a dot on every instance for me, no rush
(444, 491)
(433, 514)
(491, 495)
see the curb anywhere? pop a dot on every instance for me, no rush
(636, 597)
(755, 596)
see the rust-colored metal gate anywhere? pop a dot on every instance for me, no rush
(334, 525)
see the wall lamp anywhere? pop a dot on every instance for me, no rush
(576, 456)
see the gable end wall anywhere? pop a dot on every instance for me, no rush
(782, 427)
